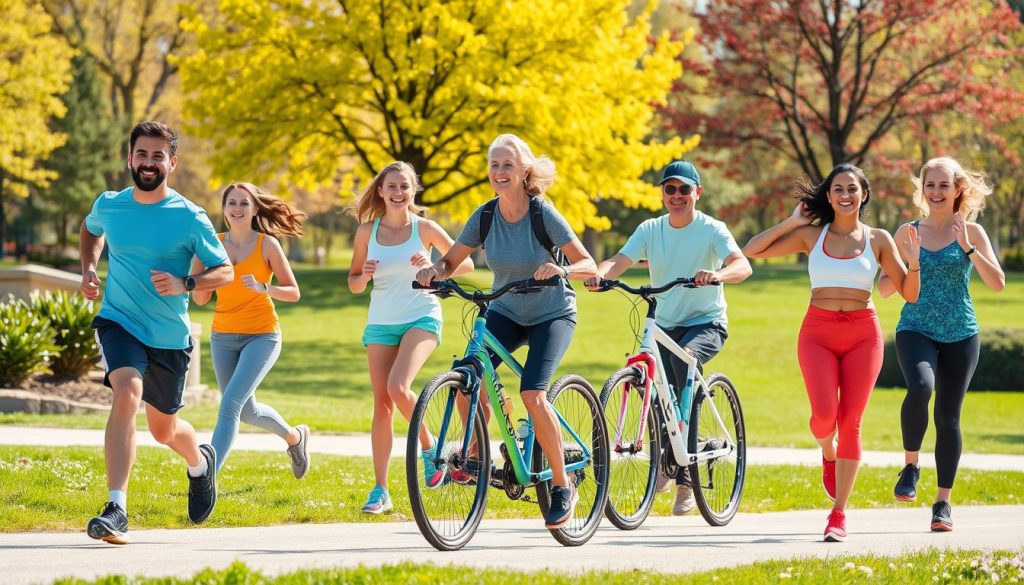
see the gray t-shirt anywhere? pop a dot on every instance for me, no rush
(513, 253)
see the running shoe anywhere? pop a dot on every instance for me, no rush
(906, 486)
(202, 490)
(299, 453)
(378, 502)
(835, 530)
(828, 478)
(110, 526)
(563, 503)
(942, 517)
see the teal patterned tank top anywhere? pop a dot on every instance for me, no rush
(943, 311)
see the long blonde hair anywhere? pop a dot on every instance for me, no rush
(369, 206)
(272, 216)
(970, 186)
(540, 170)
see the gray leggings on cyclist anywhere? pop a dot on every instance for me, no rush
(704, 340)
(547, 340)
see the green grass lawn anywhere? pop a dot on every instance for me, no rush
(321, 377)
(59, 489)
(925, 567)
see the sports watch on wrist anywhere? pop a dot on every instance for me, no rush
(190, 284)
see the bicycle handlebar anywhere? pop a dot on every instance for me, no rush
(445, 288)
(647, 290)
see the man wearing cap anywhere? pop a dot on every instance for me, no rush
(684, 243)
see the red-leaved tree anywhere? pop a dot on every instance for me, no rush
(818, 82)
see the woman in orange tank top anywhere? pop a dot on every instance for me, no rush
(246, 338)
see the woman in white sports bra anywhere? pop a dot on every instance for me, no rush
(404, 325)
(840, 343)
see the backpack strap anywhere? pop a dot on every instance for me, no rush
(540, 232)
(486, 218)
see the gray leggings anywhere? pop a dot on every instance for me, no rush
(241, 361)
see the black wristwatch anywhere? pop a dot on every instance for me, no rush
(972, 250)
(190, 284)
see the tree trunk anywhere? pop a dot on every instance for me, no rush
(3, 216)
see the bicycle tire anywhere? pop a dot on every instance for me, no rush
(447, 515)
(574, 398)
(718, 502)
(632, 475)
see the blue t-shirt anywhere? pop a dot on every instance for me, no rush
(160, 236)
(679, 253)
(513, 253)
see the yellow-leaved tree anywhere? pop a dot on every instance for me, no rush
(303, 84)
(35, 69)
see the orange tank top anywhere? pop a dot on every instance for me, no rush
(240, 310)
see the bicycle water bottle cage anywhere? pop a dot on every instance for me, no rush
(471, 368)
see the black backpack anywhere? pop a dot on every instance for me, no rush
(536, 221)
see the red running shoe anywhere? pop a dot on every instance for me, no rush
(835, 530)
(828, 478)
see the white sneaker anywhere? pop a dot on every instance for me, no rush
(684, 501)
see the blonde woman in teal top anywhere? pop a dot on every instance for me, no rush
(937, 337)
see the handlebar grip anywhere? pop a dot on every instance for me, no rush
(416, 285)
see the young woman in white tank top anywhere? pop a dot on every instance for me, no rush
(840, 343)
(404, 325)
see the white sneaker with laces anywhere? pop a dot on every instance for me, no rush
(685, 503)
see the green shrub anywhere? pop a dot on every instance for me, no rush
(71, 317)
(1000, 367)
(27, 341)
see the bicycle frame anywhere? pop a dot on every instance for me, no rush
(480, 341)
(676, 415)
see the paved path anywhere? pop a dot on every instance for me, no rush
(360, 445)
(665, 544)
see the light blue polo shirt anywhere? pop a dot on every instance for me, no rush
(679, 253)
(160, 236)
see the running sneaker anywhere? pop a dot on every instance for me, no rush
(685, 502)
(563, 503)
(299, 453)
(432, 476)
(942, 517)
(378, 502)
(906, 486)
(828, 478)
(202, 490)
(835, 530)
(468, 474)
(110, 526)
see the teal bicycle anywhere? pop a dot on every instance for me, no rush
(448, 483)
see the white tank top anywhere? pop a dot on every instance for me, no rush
(393, 301)
(857, 272)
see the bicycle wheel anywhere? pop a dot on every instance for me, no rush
(574, 398)
(449, 512)
(718, 483)
(633, 468)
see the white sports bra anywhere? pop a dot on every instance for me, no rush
(857, 272)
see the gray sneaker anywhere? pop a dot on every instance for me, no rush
(684, 501)
(299, 453)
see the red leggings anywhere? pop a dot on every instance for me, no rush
(840, 356)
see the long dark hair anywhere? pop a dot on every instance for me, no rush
(815, 197)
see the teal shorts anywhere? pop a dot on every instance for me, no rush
(392, 334)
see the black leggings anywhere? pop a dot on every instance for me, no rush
(947, 368)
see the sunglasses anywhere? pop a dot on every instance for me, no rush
(671, 189)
